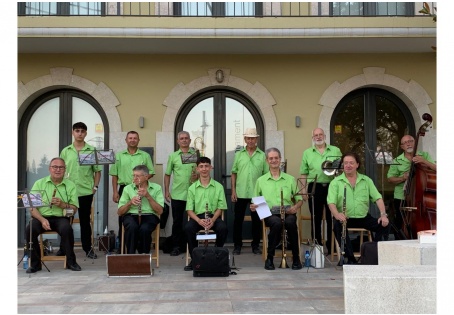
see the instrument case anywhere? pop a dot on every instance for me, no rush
(210, 262)
(129, 265)
(369, 253)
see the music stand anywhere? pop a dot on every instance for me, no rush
(28, 200)
(314, 244)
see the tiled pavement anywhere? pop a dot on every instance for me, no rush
(173, 290)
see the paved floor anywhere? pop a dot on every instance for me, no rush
(173, 290)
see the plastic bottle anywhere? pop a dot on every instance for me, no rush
(25, 264)
(117, 243)
(307, 261)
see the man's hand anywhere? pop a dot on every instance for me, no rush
(383, 220)
(45, 224)
(115, 197)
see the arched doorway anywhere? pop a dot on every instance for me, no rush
(45, 129)
(371, 122)
(216, 119)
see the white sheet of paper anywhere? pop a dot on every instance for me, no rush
(262, 210)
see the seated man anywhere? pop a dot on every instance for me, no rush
(140, 204)
(356, 191)
(269, 186)
(61, 194)
(205, 191)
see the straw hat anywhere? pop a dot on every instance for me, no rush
(251, 133)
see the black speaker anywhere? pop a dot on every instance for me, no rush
(106, 243)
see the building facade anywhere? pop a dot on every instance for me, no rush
(364, 72)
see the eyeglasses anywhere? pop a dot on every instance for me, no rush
(58, 167)
(407, 142)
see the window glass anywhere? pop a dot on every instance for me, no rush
(41, 8)
(223, 8)
(85, 8)
(240, 9)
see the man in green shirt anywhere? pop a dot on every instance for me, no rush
(121, 171)
(311, 168)
(61, 194)
(357, 191)
(206, 197)
(270, 187)
(399, 170)
(184, 175)
(86, 178)
(249, 164)
(140, 205)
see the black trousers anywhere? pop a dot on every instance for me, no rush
(178, 217)
(62, 226)
(120, 217)
(320, 204)
(241, 206)
(192, 227)
(274, 222)
(368, 222)
(84, 211)
(138, 236)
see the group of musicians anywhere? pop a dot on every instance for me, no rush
(254, 173)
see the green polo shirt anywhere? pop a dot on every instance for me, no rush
(125, 162)
(401, 165)
(358, 198)
(181, 174)
(248, 169)
(199, 196)
(81, 175)
(270, 189)
(66, 191)
(312, 160)
(131, 191)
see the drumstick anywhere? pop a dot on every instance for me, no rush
(53, 195)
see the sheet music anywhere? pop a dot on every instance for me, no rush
(262, 208)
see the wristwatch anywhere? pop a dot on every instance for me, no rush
(95, 187)
(384, 214)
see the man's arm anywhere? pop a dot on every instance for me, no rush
(96, 181)
(167, 187)
(233, 182)
(115, 195)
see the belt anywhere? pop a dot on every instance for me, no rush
(323, 184)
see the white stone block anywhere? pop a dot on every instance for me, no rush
(406, 252)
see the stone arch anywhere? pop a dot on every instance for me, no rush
(411, 93)
(181, 92)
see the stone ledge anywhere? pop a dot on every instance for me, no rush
(406, 252)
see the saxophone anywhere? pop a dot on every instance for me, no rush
(344, 225)
(284, 255)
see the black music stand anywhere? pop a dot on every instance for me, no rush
(28, 200)
(313, 244)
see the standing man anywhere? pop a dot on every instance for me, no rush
(311, 166)
(141, 221)
(184, 174)
(399, 170)
(359, 191)
(249, 164)
(205, 193)
(121, 171)
(86, 178)
(270, 186)
(61, 194)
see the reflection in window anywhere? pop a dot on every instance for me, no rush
(218, 8)
(62, 8)
(372, 8)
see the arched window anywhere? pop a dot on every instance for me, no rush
(45, 128)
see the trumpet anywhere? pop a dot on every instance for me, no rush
(284, 255)
(344, 226)
(331, 168)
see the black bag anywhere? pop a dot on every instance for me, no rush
(210, 262)
(369, 253)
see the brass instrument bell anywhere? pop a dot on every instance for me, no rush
(331, 168)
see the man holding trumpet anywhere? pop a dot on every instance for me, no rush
(270, 187)
(53, 218)
(359, 192)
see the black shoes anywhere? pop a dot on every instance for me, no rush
(269, 264)
(256, 250)
(237, 251)
(91, 255)
(175, 252)
(297, 264)
(60, 252)
(188, 267)
(34, 269)
(74, 267)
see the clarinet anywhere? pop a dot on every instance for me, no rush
(284, 255)
(344, 226)
(139, 207)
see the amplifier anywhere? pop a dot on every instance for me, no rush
(106, 243)
(129, 265)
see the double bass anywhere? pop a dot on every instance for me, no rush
(420, 193)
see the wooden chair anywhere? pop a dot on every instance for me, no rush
(210, 241)
(50, 258)
(278, 252)
(154, 243)
(335, 245)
